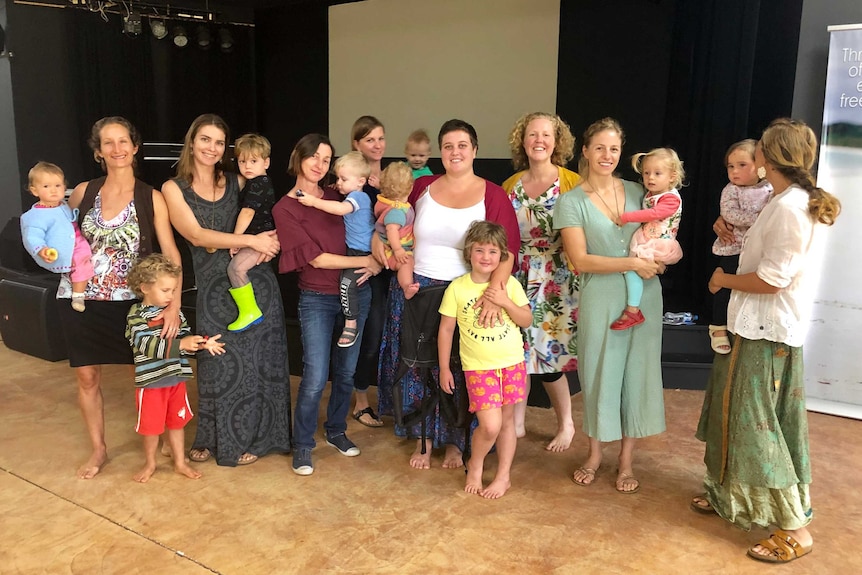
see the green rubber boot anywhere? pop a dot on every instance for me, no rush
(249, 313)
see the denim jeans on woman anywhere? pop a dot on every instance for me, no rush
(319, 315)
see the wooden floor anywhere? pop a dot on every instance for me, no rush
(372, 513)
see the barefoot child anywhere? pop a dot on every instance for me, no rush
(255, 216)
(352, 171)
(395, 223)
(656, 239)
(161, 370)
(417, 150)
(49, 231)
(492, 358)
(742, 199)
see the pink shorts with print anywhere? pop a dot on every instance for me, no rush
(494, 388)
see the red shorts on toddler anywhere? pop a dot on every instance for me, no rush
(162, 407)
(494, 388)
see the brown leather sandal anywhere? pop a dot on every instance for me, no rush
(783, 548)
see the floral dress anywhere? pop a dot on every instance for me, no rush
(551, 286)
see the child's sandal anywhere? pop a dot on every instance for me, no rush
(719, 343)
(347, 337)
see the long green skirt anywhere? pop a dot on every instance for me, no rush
(755, 427)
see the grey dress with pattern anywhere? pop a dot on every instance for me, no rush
(244, 395)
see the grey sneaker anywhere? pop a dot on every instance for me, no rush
(302, 461)
(342, 444)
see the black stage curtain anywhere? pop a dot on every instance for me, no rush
(732, 70)
(159, 87)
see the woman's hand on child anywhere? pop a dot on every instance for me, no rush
(491, 314)
(378, 250)
(723, 230)
(49, 255)
(715, 281)
(266, 243)
(234, 251)
(171, 318)
(496, 296)
(374, 181)
(646, 269)
(372, 268)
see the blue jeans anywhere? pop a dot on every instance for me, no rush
(319, 315)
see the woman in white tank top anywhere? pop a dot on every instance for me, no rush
(445, 207)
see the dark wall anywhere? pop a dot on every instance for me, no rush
(10, 203)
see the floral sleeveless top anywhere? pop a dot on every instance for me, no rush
(115, 245)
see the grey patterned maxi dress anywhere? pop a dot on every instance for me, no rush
(244, 395)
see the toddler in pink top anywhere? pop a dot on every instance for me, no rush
(655, 240)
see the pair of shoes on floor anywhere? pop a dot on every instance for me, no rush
(348, 334)
(782, 547)
(302, 461)
(628, 319)
(376, 422)
(719, 343)
(344, 446)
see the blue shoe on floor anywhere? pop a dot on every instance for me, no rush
(342, 444)
(302, 461)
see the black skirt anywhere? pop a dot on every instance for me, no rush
(96, 336)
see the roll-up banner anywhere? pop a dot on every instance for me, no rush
(833, 346)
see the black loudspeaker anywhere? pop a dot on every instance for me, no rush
(29, 318)
(13, 256)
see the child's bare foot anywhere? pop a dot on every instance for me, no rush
(496, 489)
(419, 460)
(90, 469)
(188, 471)
(474, 479)
(453, 458)
(145, 473)
(410, 290)
(563, 439)
(166, 451)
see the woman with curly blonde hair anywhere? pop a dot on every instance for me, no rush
(541, 146)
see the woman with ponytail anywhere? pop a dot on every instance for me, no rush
(753, 418)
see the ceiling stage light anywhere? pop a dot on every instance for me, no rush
(204, 38)
(180, 37)
(132, 24)
(225, 40)
(159, 28)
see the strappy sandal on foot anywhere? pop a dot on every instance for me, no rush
(246, 459)
(589, 477)
(701, 504)
(348, 334)
(200, 455)
(370, 413)
(621, 480)
(719, 343)
(782, 547)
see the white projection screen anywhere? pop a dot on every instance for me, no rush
(417, 63)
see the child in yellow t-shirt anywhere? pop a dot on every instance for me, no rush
(492, 357)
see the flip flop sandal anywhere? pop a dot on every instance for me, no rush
(200, 455)
(707, 509)
(349, 334)
(590, 474)
(246, 459)
(719, 343)
(621, 479)
(370, 412)
(783, 548)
